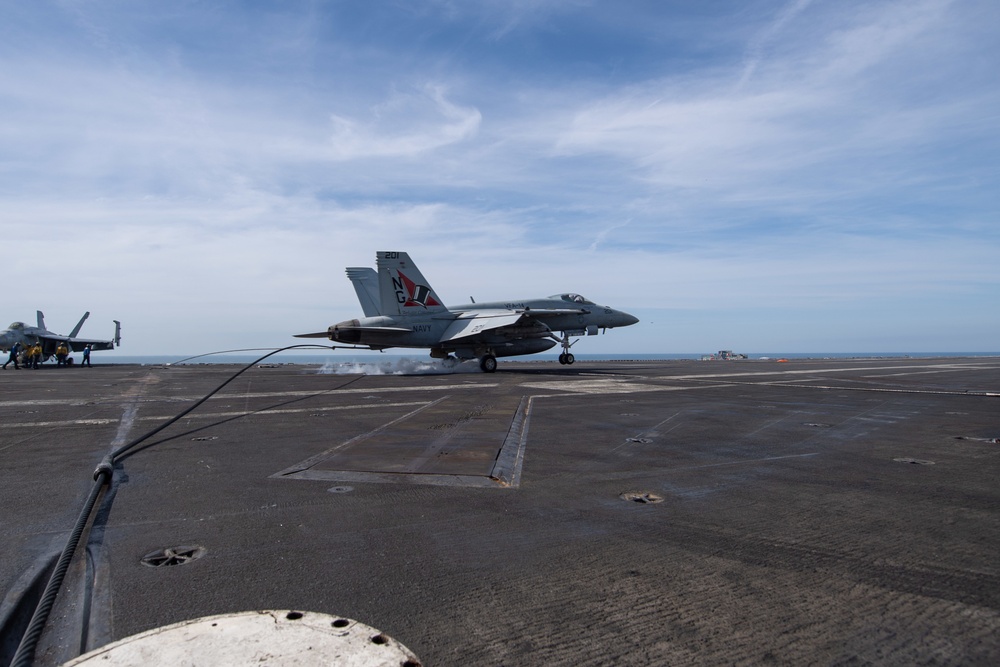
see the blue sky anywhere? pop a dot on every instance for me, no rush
(787, 176)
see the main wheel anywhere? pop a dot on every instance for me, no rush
(488, 363)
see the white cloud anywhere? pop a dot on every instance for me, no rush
(833, 166)
(812, 125)
(404, 126)
(755, 50)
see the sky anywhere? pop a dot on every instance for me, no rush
(781, 176)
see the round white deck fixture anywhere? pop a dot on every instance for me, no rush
(272, 637)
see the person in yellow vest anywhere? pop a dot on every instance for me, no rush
(36, 355)
(61, 353)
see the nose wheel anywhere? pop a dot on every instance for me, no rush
(488, 363)
(566, 358)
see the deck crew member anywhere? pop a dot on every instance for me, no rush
(61, 353)
(15, 350)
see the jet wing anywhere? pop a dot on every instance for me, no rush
(75, 344)
(475, 322)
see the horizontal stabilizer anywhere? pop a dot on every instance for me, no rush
(341, 327)
(377, 329)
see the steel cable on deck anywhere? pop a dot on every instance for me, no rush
(25, 654)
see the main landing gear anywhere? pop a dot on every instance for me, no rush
(488, 363)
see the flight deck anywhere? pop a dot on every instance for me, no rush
(840, 511)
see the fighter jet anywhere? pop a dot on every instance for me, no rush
(19, 332)
(402, 310)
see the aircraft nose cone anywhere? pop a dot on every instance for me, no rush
(628, 320)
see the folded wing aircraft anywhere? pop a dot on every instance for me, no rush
(19, 332)
(401, 309)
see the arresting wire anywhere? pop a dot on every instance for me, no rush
(25, 654)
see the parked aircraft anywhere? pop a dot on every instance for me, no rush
(402, 310)
(19, 332)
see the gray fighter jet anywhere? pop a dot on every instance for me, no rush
(19, 332)
(402, 310)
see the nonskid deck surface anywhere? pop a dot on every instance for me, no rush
(671, 512)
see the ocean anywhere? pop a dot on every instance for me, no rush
(337, 357)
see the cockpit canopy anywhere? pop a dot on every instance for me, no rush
(16, 325)
(573, 298)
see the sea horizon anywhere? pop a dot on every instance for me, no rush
(308, 359)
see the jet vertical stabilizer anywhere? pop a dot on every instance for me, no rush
(403, 290)
(365, 281)
(79, 325)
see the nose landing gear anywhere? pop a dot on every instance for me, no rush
(566, 357)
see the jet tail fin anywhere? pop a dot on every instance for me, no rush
(403, 290)
(366, 285)
(41, 319)
(79, 325)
